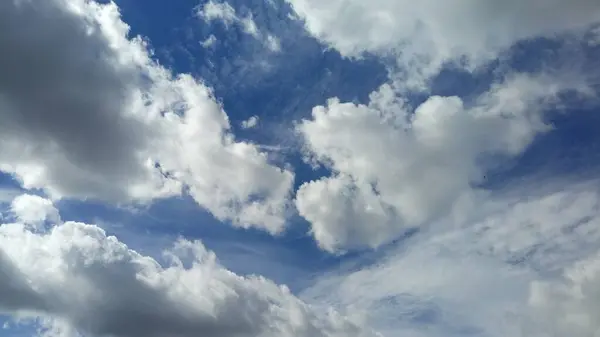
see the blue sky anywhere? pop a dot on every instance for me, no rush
(410, 169)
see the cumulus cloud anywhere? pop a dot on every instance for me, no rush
(426, 34)
(395, 168)
(34, 210)
(250, 122)
(79, 281)
(97, 117)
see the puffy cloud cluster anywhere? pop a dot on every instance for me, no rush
(395, 168)
(97, 117)
(426, 34)
(85, 112)
(78, 281)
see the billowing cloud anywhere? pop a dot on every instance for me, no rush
(67, 118)
(395, 168)
(79, 281)
(426, 34)
(34, 210)
(85, 112)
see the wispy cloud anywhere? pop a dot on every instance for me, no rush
(224, 12)
(477, 278)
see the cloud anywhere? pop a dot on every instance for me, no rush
(427, 34)
(77, 280)
(97, 117)
(395, 169)
(250, 122)
(496, 275)
(594, 36)
(222, 11)
(7, 194)
(34, 210)
(209, 41)
(569, 307)
(65, 120)
(218, 11)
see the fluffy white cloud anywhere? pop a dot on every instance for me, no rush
(66, 118)
(250, 122)
(97, 117)
(34, 210)
(80, 281)
(425, 34)
(394, 168)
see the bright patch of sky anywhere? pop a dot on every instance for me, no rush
(299, 168)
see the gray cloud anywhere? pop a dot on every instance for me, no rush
(62, 99)
(76, 278)
(85, 112)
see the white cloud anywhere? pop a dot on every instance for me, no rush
(250, 123)
(425, 34)
(570, 307)
(394, 169)
(494, 276)
(96, 117)
(273, 43)
(231, 179)
(218, 11)
(79, 281)
(250, 26)
(431, 291)
(209, 41)
(34, 210)
(547, 231)
(222, 11)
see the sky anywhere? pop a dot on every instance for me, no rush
(311, 168)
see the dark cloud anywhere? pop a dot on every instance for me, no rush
(64, 98)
